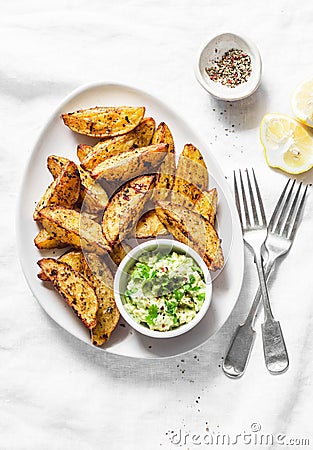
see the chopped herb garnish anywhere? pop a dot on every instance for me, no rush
(178, 294)
(153, 314)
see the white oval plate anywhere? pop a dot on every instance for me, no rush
(56, 138)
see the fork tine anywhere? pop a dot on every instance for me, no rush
(274, 215)
(284, 210)
(260, 199)
(244, 198)
(253, 205)
(296, 221)
(291, 212)
(237, 199)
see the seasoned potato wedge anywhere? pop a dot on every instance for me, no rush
(45, 241)
(192, 229)
(96, 217)
(123, 210)
(104, 121)
(63, 191)
(101, 279)
(74, 288)
(83, 151)
(139, 137)
(56, 165)
(119, 251)
(72, 228)
(75, 259)
(206, 205)
(131, 164)
(149, 225)
(165, 177)
(192, 168)
(185, 193)
(92, 195)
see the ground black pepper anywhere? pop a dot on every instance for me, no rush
(232, 69)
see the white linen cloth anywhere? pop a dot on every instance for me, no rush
(56, 392)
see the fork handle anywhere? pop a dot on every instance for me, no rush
(275, 352)
(238, 353)
(240, 348)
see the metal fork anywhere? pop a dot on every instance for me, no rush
(280, 236)
(253, 222)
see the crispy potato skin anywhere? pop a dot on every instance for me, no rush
(123, 210)
(83, 151)
(74, 258)
(150, 226)
(101, 279)
(139, 137)
(185, 193)
(206, 205)
(134, 163)
(104, 121)
(166, 175)
(72, 228)
(119, 251)
(56, 164)
(63, 191)
(92, 195)
(192, 229)
(74, 288)
(191, 168)
(45, 241)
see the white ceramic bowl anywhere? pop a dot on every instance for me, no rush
(214, 49)
(121, 280)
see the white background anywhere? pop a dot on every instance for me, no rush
(58, 393)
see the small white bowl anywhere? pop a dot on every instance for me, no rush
(215, 49)
(121, 280)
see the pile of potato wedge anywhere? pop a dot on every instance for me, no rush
(126, 185)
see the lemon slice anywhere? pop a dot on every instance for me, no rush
(287, 144)
(302, 102)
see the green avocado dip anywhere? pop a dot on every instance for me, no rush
(164, 291)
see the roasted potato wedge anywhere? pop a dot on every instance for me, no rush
(56, 165)
(74, 288)
(72, 228)
(139, 137)
(128, 165)
(83, 151)
(123, 210)
(104, 121)
(119, 251)
(192, 229)
(191, 168)
(45, 241)
(206, 205)
(101, 279)
(75, 259)
(185, 193)
(63, 191)
(92, 195)
(149, 226)
(166, 175)
(96, 217)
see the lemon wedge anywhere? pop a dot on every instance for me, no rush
(287, 144)
(302, 102)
